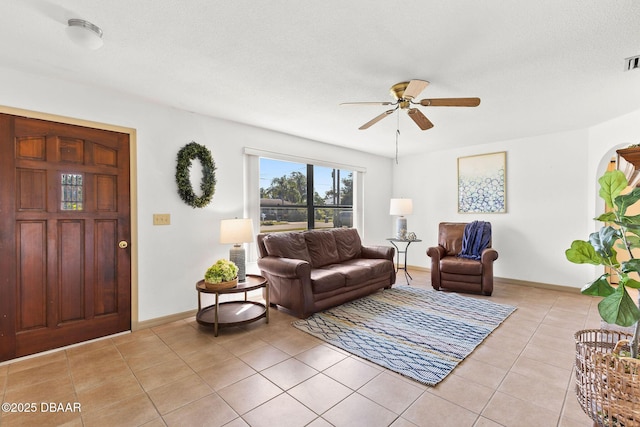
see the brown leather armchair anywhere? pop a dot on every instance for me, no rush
(451, 272)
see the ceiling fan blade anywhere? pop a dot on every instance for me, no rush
(414, 88)
(376, 119)
(451, 102)
(368, 103)
(420, 119)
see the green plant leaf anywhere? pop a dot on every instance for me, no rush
(599, 287)
(603, 241)
(631, 228)
(629, 282)
(633, 240)
(622, 202)
(611, 185)
(582, 252)
(619, 308)
(627, 220)
(607, 217)
(630, 266)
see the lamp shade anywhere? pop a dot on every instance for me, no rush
(401, 207)
(238, 230)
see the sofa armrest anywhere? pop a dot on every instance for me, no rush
(488, 256)
(384, 252)
(436, 253)
(285, 267)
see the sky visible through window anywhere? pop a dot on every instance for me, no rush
(270, 169)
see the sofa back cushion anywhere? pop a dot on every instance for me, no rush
(317, 247)
(348, 243)
(322, 247)
(450, 237)
(287, 245)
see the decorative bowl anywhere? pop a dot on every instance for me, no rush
(222, 285)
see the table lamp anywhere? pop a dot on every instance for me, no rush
(401, 207)
(237, 231)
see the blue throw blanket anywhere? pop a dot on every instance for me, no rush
(476, 237)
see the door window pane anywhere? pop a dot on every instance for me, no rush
(72, 189)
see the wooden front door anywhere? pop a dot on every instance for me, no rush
(65, 266)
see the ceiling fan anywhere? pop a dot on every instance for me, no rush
(405, 93)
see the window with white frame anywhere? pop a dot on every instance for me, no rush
(302, 196)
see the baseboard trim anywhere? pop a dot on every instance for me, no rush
(418, 268)
(517, 282)
(540, 285)
(157, 321)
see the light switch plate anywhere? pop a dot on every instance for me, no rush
(161, 219)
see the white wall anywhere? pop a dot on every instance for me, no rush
(546, 204)
(552, 196)
(172, 258)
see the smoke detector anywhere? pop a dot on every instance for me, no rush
(84, 33)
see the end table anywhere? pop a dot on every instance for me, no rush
(395, 240)
(233, 313)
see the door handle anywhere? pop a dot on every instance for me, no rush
(123, 244)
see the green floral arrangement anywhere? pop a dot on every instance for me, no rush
(222, 271)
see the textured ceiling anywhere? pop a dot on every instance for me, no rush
(539, 66)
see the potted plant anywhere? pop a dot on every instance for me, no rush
(617, 307)
(607, 365)
(221, 275)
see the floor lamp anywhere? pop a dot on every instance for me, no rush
(237, 231)
(401, 207)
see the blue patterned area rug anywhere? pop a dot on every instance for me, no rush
(419, 333)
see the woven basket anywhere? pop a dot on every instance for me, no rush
(607, 386)
(222, 285)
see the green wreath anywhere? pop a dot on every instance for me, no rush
(208, 185)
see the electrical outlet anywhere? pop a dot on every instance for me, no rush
(161, 219)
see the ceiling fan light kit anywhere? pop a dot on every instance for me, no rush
(405, 93)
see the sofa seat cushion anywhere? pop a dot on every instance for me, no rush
(322, 247)
(377, 267)
(452, 264)
(353, 274)
(287, 245)
(325, 280)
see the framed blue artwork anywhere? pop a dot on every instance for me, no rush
(482, 183)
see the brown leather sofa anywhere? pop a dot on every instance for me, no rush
(313, 270)
(448, 271)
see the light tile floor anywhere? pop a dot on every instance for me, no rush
(179, 374)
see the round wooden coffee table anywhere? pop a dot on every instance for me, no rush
(233, 313)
